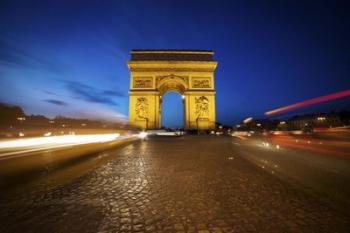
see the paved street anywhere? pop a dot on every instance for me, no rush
(185, 184)
(321, 167)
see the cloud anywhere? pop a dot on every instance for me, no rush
(50, 93)
(56, 102)
(12, 54)
(89, 94)
(113, 93)
(99, 113)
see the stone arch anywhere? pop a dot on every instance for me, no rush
(171, 83)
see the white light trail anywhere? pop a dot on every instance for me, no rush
(56, 141)
(249, 119)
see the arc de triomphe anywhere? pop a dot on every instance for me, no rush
(188, 72)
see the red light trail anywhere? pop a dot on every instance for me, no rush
(308, 102)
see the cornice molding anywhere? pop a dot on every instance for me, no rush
(171, 69)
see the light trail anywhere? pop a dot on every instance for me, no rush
(324, 147)
(28, 145)
(57, 140)
(312, 101)
(249, 119)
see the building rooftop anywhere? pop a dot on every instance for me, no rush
(171, 55)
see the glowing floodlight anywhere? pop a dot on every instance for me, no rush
(143, 135)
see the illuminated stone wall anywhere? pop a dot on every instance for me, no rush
(155, 72)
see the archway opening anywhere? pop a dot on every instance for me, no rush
(172, 110)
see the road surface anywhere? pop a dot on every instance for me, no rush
(184, 184)
(319, 165)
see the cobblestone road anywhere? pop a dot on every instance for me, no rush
(188, 184)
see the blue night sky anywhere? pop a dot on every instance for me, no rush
(69, 57)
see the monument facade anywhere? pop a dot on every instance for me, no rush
(188, 72)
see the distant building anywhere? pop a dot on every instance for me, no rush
(258, 125)
(321, 120)
(302, 122)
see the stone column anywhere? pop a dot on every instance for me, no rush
(144, 109)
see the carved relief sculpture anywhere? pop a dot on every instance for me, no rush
(142, 108)
(200, 83)
(143, 82)
(202, 107)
